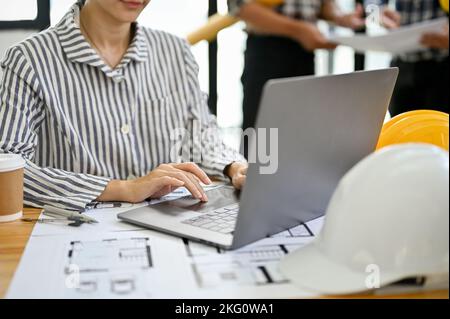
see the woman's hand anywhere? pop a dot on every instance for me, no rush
(309, 35)
(237, 172)
(162, 181)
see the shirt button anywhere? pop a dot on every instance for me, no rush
(125, 129)
(117, 72)
(118, 79)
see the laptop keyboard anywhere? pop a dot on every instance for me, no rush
(222, 220)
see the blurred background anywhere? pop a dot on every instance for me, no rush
(220, 63)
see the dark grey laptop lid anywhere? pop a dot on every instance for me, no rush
(325, 126)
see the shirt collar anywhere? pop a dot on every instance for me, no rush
(78, 49)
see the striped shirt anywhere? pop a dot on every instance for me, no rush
(308, 10)
(79, 123)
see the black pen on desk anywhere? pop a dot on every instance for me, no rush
(45, 220)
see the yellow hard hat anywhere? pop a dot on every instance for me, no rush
(422, 126)
(444, 5)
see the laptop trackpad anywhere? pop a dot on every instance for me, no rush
(218, 197)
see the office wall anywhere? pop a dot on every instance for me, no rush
(9, 38)
(18, 10)
(14, 11)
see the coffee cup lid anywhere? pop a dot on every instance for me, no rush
(11, 162)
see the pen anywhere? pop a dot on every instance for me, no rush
(74, 223)
(69, 214)
(45, 220)
(111, 205)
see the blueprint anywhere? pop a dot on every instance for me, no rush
(117, 260)
(403, 40)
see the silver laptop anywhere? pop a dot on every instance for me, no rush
(325, 126)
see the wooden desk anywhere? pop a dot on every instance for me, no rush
(14, 237)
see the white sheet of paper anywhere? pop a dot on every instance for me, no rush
(140, 264)
(403, 40)
(116, 260)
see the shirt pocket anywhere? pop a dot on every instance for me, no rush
(160, 120)
(169, 111)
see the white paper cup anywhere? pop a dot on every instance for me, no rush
(11, 187)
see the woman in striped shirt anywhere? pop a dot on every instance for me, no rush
(96, 104)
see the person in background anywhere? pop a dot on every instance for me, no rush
(424, 80)
(281, 42)
(91, 105)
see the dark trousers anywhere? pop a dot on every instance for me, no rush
(421, 85)
(267, 58)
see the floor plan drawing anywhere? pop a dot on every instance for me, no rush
(115, 260)
(255, 265)
(112, 266)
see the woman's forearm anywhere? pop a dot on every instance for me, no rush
(116, 190)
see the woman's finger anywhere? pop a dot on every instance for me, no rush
(196, 191)
(155, 185)
(194, 169)
(195, 181)
(170, 170)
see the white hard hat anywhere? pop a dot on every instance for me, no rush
(389, 217)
